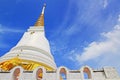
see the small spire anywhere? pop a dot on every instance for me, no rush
(40, 21)
(43, 10)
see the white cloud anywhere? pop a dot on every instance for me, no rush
(101, 53)
(55, 48)
(89, 11)
(111, 45)
(119, 19)
(105, 3)
(11, 30)
(4, 29)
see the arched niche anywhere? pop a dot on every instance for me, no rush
(39, 74)
(86, 72)
(16, 73)
(62, 73)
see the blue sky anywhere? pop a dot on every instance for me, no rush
(80, 32)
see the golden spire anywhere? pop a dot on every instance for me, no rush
(40, 21)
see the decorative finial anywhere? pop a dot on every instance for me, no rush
(43, 10)
(40, 21)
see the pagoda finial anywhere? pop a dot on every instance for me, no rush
(40, 21)
(43, 10)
